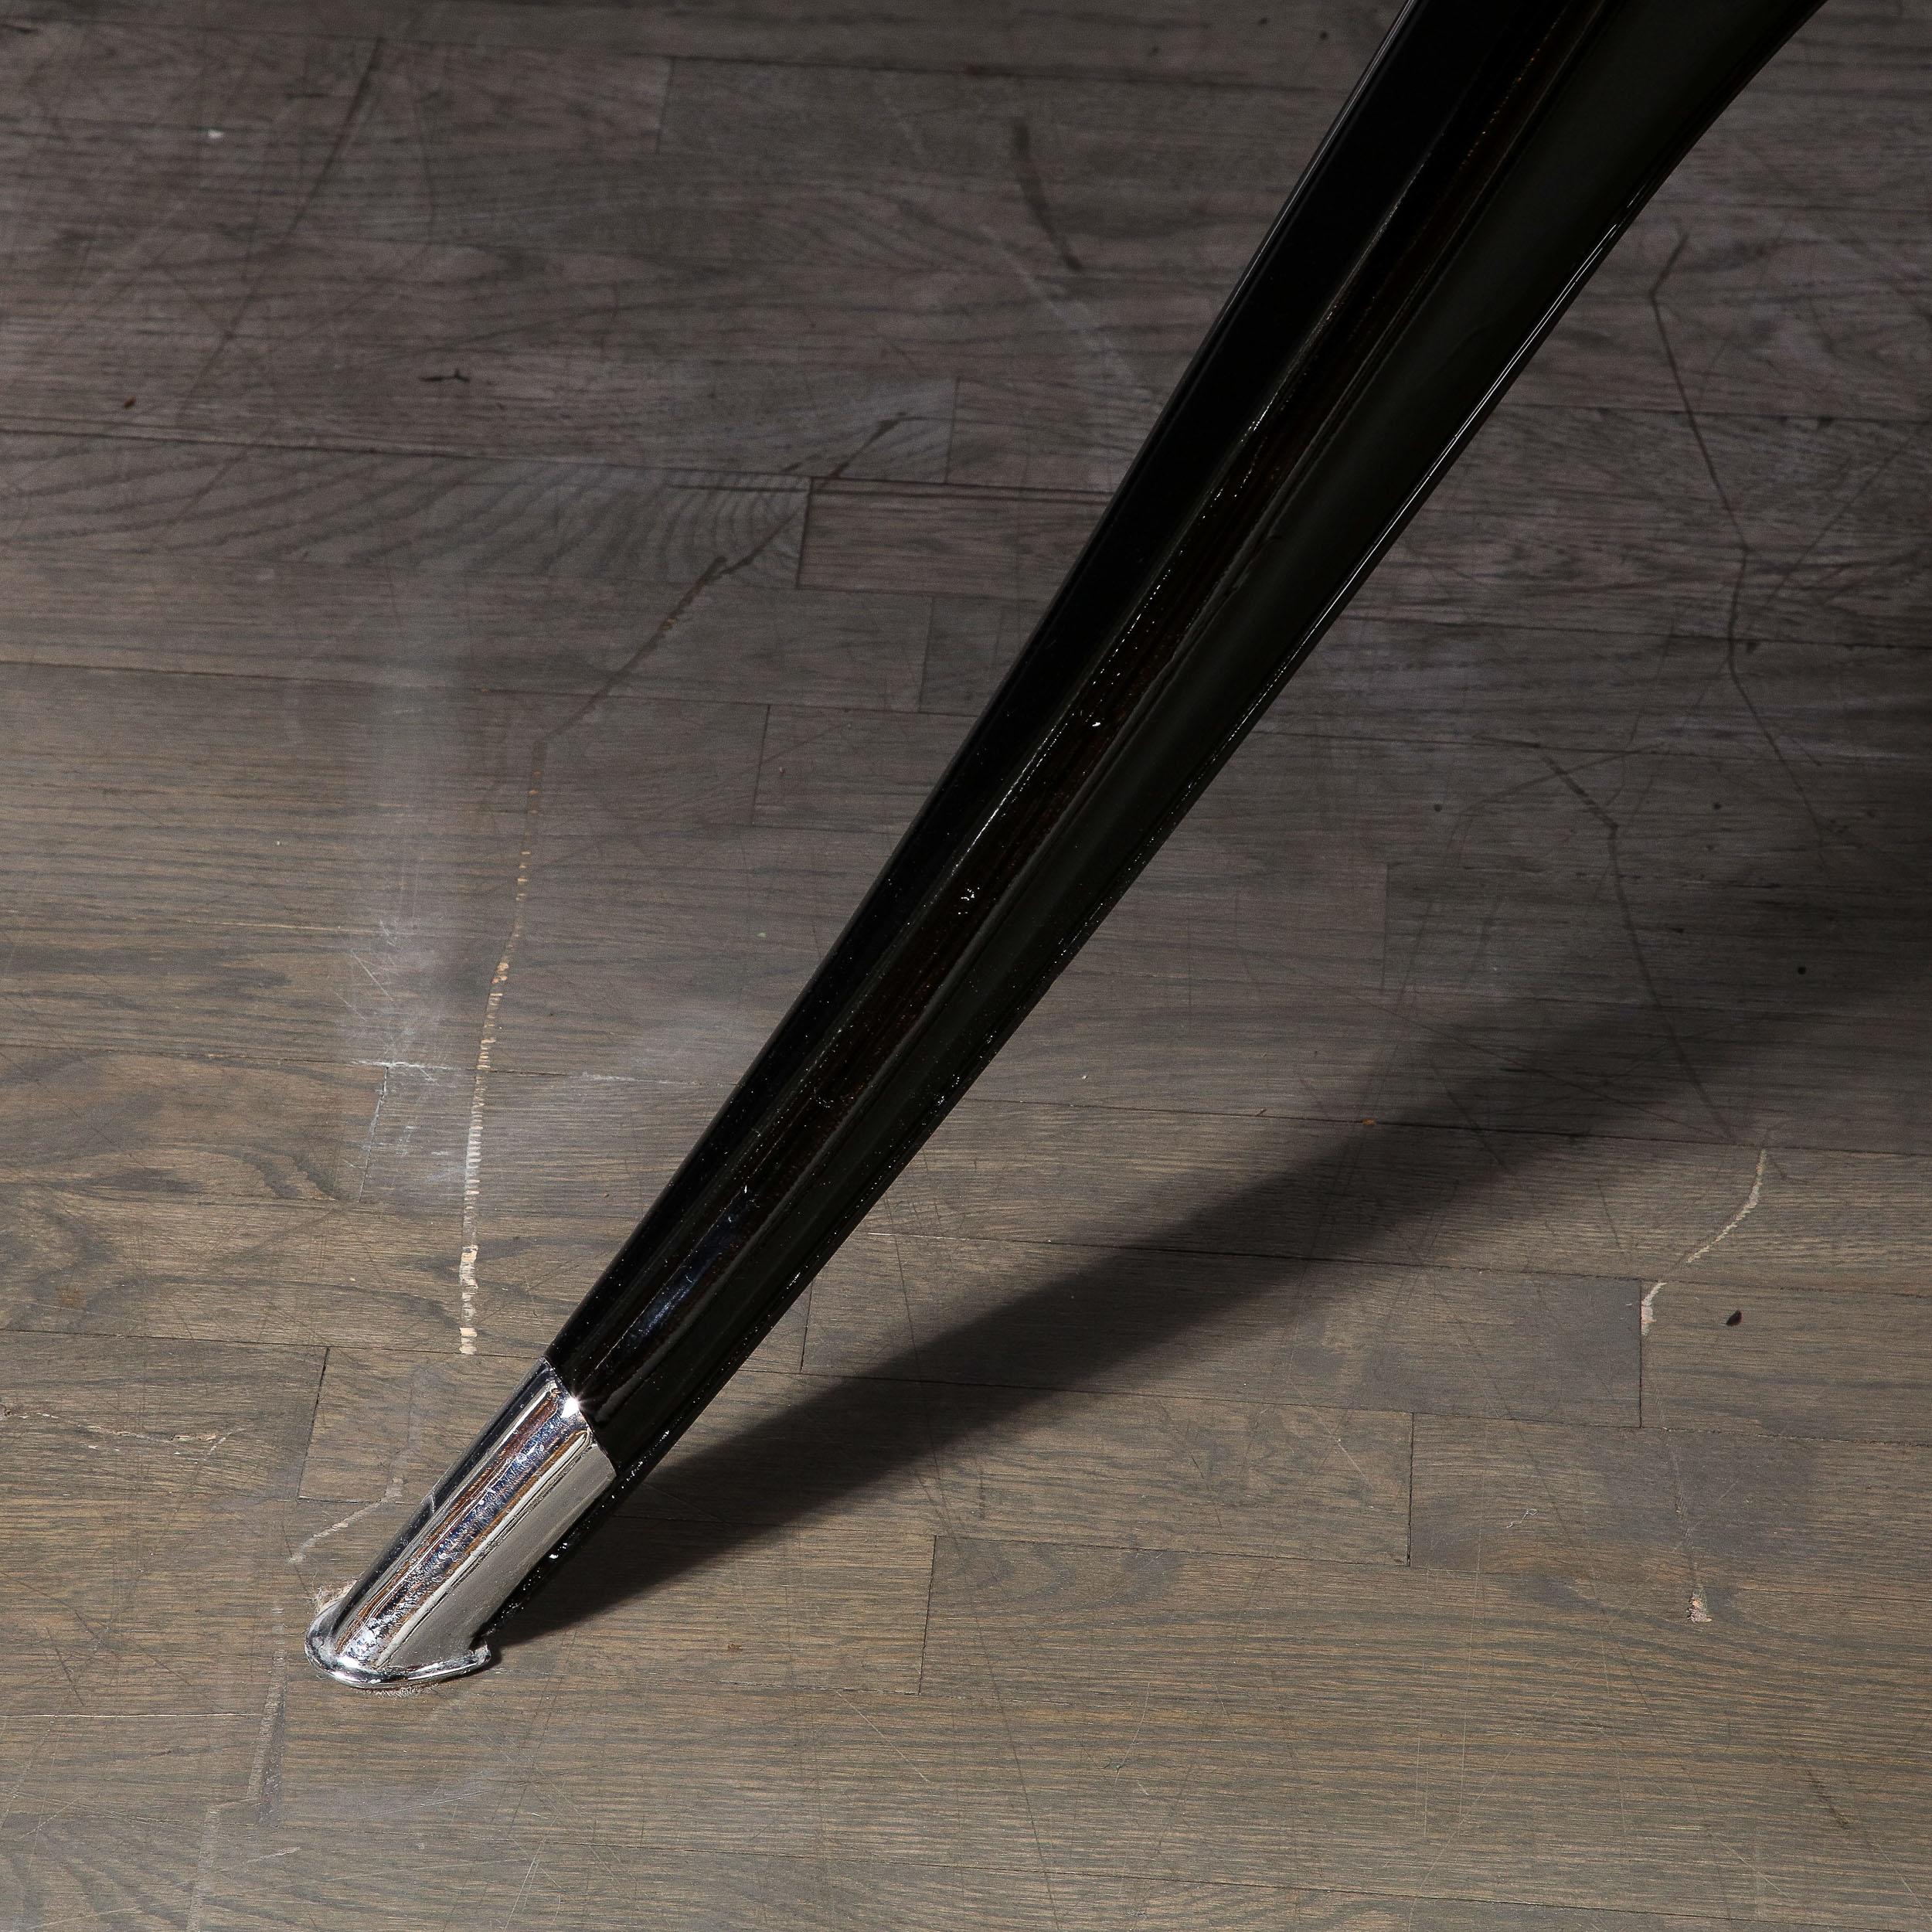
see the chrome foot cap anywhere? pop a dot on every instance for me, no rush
(327, 1655)
(414, 1617)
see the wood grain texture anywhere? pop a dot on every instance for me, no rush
(523, 492)
(1755, 1359)
(1272, 1765)
(1516, 1499)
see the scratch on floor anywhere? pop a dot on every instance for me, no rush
(1613, 831)
(516, 1904)
(1033, 190)
(718, 569)
(485, 1050)
(205, 1442)
(713, 572)
(369, 1139)
(1074, 316)
(1647, 1310)
(391, 1494)
(302, 1549)
(1700, 1611)
(263, 1792)
(882, 430)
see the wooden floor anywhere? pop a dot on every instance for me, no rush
(1403, 1403)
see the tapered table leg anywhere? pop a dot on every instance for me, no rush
(1490, 157)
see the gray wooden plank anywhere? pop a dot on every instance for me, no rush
(1803, 505)
(263, 992)
(740, 640)
(126, 1418)
(440, 298)
(1439, 1341)
(1623, 1208)
(1167, 1906)
(1527, 682)
(1789, 1362)
(131, 1124)
(1849, 1080)
(1845, 1080)
(305, 393)
(1842, 349)
(959, 543)
(106, 1817)
(428, 135)
(288, 1275)
(1665, 1517)
(1866, 51)
(681, 989)
(1755, 947)
(1323, 46)
(899, 1461)
(101, 1601)
(848, 370)
(268, 507)
(1774, 797)
(745, 1888)
(729, 1769)
(1477, 1736)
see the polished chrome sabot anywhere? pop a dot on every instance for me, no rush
(414, 1616)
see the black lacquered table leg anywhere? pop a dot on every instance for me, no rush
(1488, 160)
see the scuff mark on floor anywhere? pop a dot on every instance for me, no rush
(369, 1139)
(1033, 192)
(204, 1442)
(714, 572)
(391, 1493)
(1647, 1308)
(485, 1050)
(1699, 1610)
(302, 1549)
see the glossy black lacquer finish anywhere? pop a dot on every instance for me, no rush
(1487, 162)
